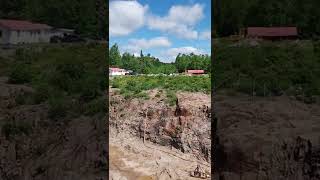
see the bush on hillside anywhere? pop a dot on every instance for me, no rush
(19, 74)
(90, 88)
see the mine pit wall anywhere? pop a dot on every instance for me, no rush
(186, 128)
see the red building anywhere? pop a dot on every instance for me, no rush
(195, 72)
(272, 33)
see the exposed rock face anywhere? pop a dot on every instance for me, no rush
(166, 174)
(186, 126)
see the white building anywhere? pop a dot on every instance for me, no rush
(117, 72)
(20, 32)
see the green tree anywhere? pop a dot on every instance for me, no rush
(114, 55)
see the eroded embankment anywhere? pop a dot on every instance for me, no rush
(179, 135)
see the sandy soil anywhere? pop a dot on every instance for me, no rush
(131, 159)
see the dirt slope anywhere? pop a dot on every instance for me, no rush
(174, 135)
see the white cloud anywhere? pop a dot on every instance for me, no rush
(125, 17)
(128, 16)
(205, 35)
(135, 45)
(179, 21)
(171, 54)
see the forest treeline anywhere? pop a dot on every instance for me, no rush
(88, 18)
(232, 15)
(148, 64)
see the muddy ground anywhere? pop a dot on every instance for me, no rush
(259, 137)
(177, 138)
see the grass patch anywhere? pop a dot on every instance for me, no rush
(20, 73)
(136, 86)
(171, 98)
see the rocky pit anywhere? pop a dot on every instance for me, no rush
(151, 140)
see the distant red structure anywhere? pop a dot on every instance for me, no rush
(195, 72)
(271, 33)
(22, 25)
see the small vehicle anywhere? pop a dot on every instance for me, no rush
(72, 38)
(67, 38)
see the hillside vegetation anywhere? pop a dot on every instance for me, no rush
(68, 77)
(136, 86)
(270, 68)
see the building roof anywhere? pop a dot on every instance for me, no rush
(23, 25)
(115, 69)
(272, 31)
(195, 71)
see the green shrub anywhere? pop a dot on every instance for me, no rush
(90, 88)
(24, 55)
(42, 92)
(142, 95)
(115, 84)
(73, 70)
(61, 81)
(171, 98)
(131, 86)
(20, 73)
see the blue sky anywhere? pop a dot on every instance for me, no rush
(162, 28)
